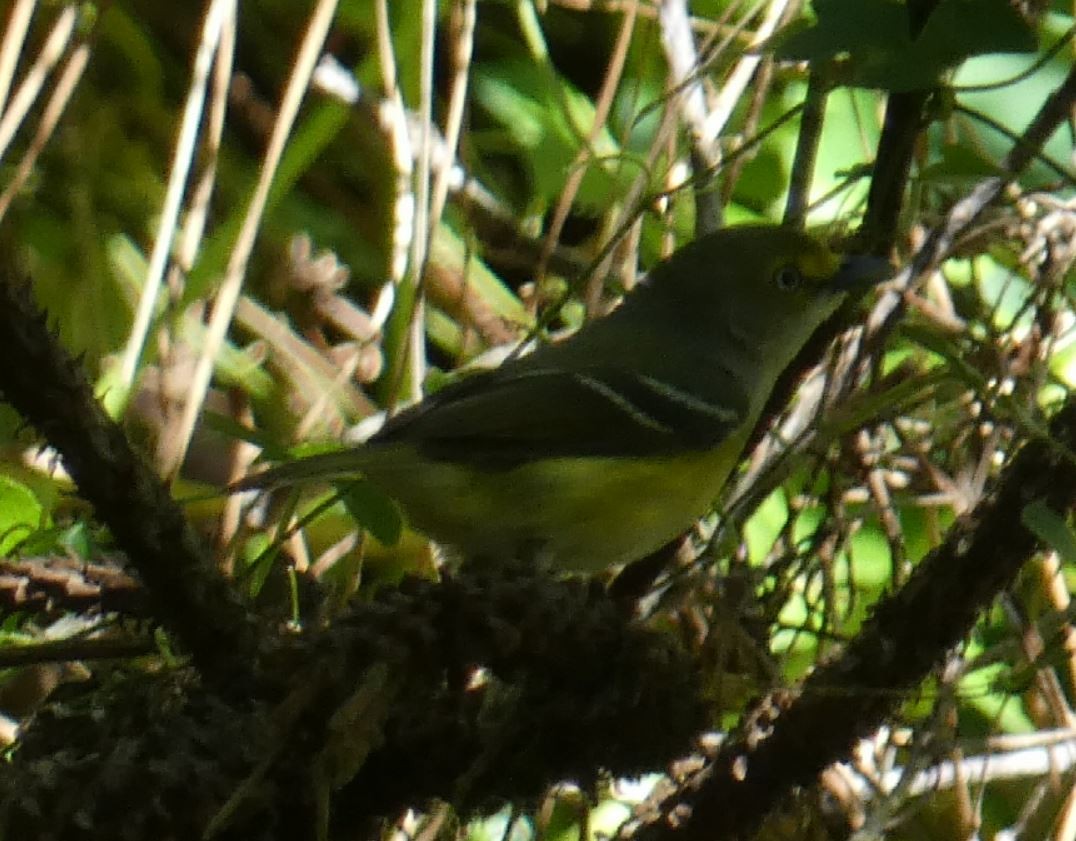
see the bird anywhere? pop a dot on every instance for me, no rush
(596, 450)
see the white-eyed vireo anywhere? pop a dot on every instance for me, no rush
(596, 450)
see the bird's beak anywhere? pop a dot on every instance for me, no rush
(859, 271)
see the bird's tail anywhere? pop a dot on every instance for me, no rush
(322, 467)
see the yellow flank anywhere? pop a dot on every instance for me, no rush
(573, 514)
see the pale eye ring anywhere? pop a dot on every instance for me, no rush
(787, 277)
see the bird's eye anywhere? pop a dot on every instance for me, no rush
(787, 277)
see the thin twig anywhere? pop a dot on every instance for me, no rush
(803, 166)
(577, 169)
(463, 18)
(80, 648)
(54, 108)
(228, 294)
(18, 24)
(35, 77)
(219, 11)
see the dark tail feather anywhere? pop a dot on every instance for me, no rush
(322, 467)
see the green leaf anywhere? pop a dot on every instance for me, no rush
(373, 510)
(872, 39)
(1050, 527)
(960, 163)
(21, 513)
(448, 249)
(764, 526)
(77, 539)
(848, 27)
(549, 119)
(959, 29)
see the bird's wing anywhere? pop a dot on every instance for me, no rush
(508, 417)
